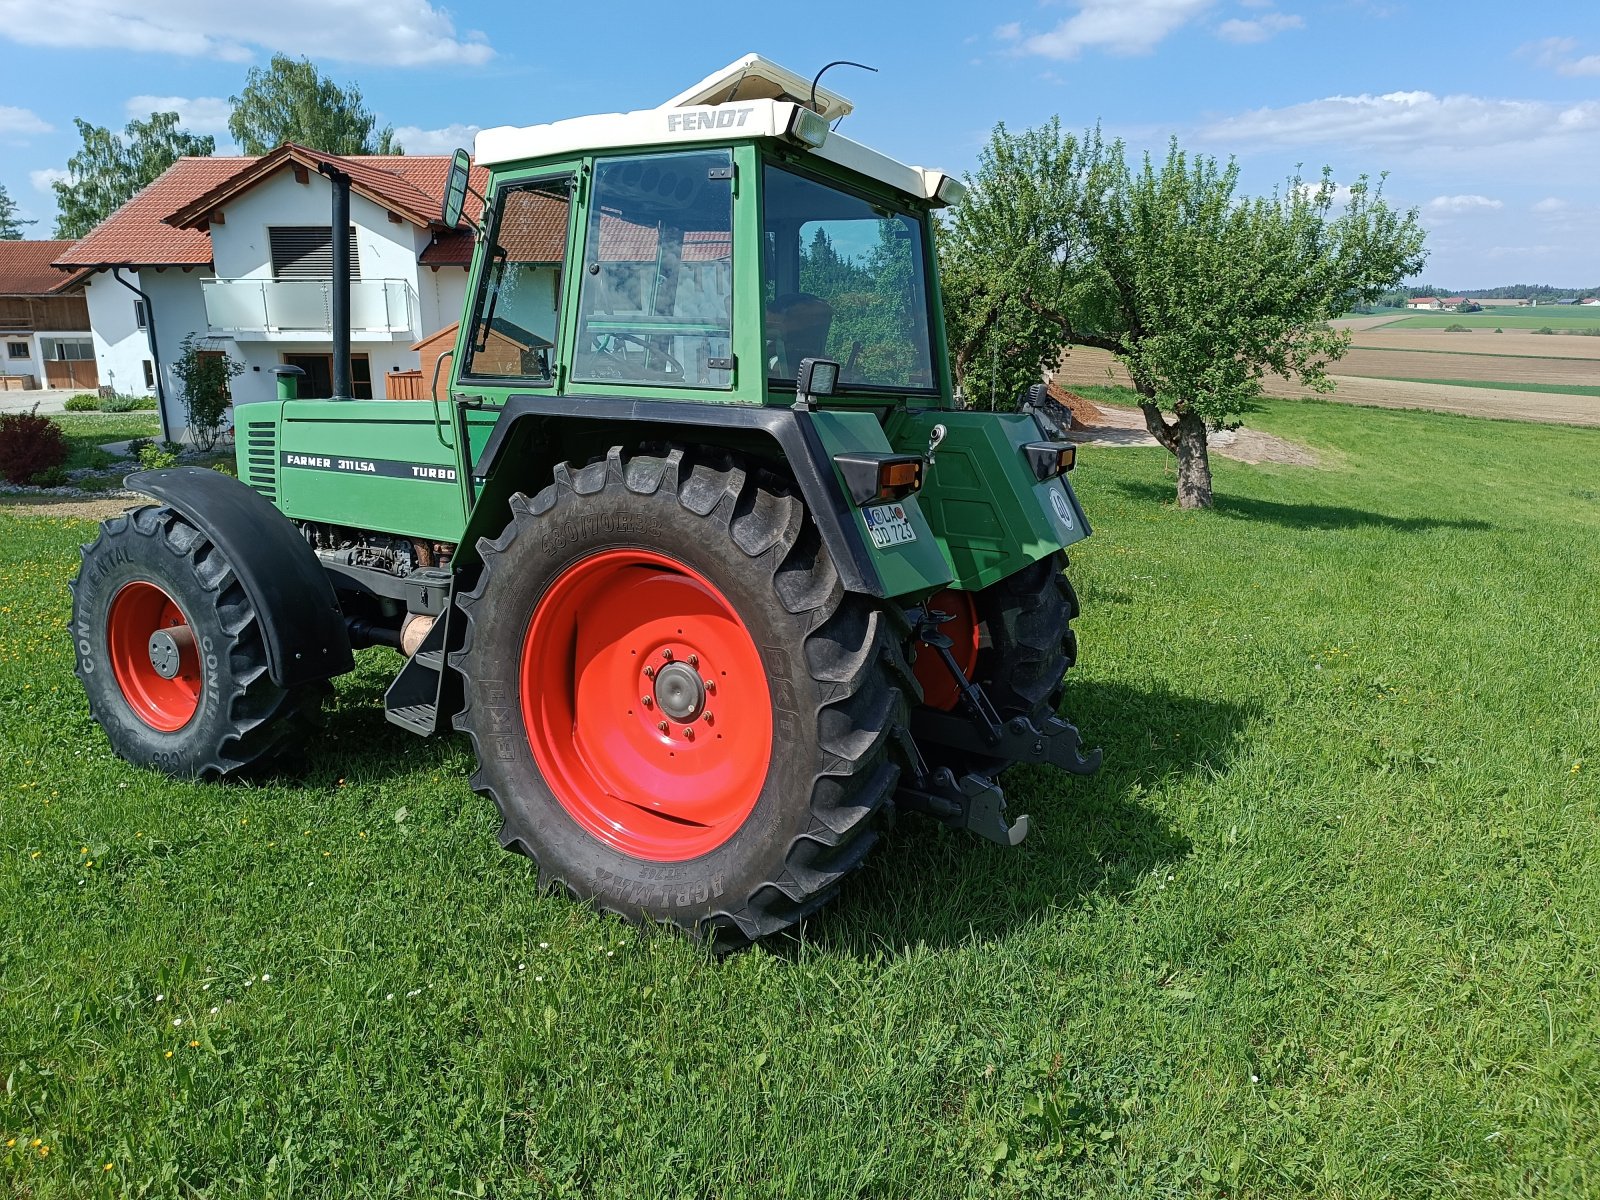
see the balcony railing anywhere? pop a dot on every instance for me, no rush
(305, 306)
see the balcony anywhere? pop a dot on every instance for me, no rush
(302, 309)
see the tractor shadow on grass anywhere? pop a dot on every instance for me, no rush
(1092, 837)
(1305, 516)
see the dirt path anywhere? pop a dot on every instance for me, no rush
(1126, 427)
(64, 506)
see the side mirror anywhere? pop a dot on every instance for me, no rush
(455, 189)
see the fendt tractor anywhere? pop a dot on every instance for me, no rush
(694, 543)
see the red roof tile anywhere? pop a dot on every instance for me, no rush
(137, 233)
(161, 226)
(25, 269)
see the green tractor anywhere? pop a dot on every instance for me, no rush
(697, 548)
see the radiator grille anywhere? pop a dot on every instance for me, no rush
(261, 457)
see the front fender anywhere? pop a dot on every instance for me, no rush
(301, 623)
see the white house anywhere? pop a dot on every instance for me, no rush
(237, 251)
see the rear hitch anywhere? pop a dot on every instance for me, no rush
(975, 802)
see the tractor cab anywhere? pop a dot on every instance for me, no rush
(707, 247)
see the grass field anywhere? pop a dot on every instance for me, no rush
(1326, 924)
(1509, 319)
(85, 431)
(1549, 389)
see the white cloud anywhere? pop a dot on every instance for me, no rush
(1119, 26)
(1410, 122)
(42, 179)
(391, 32)
(201, 114)
(435, 141)
(1557, 54)
(1261, 28)
(1440, 205)
(17, 124)
(1550, 204)
(1009, 32)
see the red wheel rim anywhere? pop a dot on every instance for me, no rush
(153, 656)
(624, 643)
(938, 688)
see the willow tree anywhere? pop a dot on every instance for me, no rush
(1200, 292)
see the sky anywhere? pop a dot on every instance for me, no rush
(1484, 113)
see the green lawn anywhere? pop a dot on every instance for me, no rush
(85, 431)
(1509, 319)
(1326, 924)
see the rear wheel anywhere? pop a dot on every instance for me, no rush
(680, 713)
(170, 652)
(1014, 638)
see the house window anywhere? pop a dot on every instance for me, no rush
(139, 318)
(71, 349)
(149, 373)
(306, 252)
(17, 350)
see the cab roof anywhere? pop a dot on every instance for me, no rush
(751, 98)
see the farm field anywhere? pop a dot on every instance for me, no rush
(1510, 376)
(1556, 317)
(1326, 923)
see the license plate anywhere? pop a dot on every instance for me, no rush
(888, 525)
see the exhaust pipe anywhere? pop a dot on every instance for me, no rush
(339, 317)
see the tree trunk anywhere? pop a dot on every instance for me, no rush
(1194, 463)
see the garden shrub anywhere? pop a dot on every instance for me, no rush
(204, 374)
(1457, 328)
(137, 446)
(145, 404)
(156, 458)
(50, 477)
(95, 459)
(29, 444)
(119, 404)
(82, 403)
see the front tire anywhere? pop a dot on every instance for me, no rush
(171, 655)
(728, 789)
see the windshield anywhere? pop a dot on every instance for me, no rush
(845, 279)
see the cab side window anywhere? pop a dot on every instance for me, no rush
(519, 299)
(656, 305)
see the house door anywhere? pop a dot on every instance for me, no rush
(318, 381)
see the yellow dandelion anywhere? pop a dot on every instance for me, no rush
(107, 1167)
(44, 1151)
(192, 1045)
(246, 821)
(10, 1143)
(1577, 766)
(85, 850)
(36, 1142)
(35, 854)
(168, 1054)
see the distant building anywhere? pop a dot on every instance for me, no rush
(1424, 302)
(1505, 302)
(44, 321)
(238, 251)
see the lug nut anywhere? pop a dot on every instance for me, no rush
(649, 672)
(667, 654)
(688, 732)
(711, 685)
(710, 720)
(694, 660)
(662, 726)
(646, 701)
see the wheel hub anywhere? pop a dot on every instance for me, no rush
(166, 650)
(680, 692)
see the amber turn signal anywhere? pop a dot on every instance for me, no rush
(880, 478)
(1049, 459)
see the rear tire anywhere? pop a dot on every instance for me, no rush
(749, 826)
(171, 656)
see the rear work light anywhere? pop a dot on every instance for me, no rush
(879, 478)
(1049, 459)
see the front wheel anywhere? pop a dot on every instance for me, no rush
(171, 655)
(679, 712)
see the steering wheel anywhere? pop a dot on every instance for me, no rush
(673, 369)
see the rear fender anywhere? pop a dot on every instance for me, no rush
(535, 433)
(301, 622)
